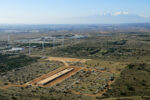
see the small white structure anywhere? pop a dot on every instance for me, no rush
(13, 50)
(16, 49)
(55, 76)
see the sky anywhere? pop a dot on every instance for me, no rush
(72, 11)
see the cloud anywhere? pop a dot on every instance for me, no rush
(103, 14)
(114, 13)
(119, 13)
(144, 16)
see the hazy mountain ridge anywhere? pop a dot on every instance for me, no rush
(113, 18)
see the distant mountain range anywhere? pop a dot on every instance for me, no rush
(111, 18)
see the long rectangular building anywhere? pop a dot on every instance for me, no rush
(55, 76)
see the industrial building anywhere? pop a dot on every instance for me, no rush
(55, 76)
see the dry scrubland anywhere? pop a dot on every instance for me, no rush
(30, 72)
(118, 69)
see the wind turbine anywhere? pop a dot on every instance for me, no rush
(8, 38)
(29, 48)
(43, 44)
(63, 41)
(53, 42)
(8, 41)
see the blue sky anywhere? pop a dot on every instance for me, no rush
(63, 11)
